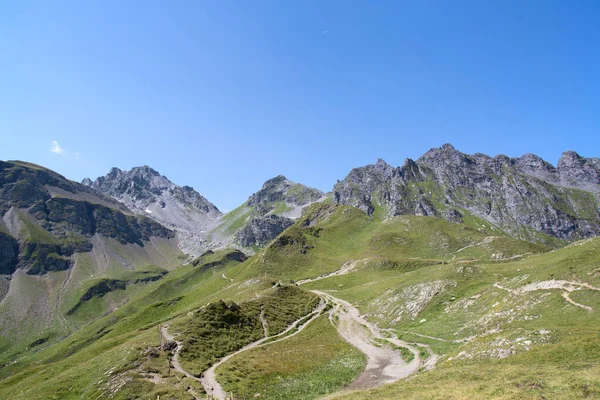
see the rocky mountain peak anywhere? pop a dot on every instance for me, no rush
(381, 164)
(267, 213)
(145, 191)
(576, 170)
(532, 163)
(409, 162)
(444, 155)
(144, 171)
(273, 182)
(280, 189)
(570, 159)
(114, 172)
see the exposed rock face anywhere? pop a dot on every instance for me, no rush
(146, 192)
(261, 230)
(572, 171)
(46, 218)
(267, 212)
(9, 254)
(521, 196)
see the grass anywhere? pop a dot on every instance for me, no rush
(345, 233)
(568, 370)
(235, 219)
(220, 328)
(415, 275)
(313, 363)
(84, 358)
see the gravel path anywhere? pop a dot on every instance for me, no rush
(384, 365)
(567, 286)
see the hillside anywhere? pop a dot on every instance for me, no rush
(342, 303)
(59, 239)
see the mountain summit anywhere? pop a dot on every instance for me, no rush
(266, 213)
(525, 196)
(145, 191)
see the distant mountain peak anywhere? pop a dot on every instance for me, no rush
(280, 188)
(274, 181)
(145, 191)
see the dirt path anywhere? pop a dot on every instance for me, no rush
(345, 269)
(175, 360)
(384, 365)
(425, 336)
(566, 296)
(567, 286)
(209, 379)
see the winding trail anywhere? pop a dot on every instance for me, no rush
(209, 379)
(175, 360)
(384, 364)
(567, 286)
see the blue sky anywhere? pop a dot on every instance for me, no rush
(222, 95)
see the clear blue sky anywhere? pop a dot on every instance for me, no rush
(223, 95)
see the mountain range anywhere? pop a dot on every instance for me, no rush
(525, 197)
(449, 261)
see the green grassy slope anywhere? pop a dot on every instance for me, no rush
(421, 277)
(490, 306)
(313, 363)
(329, 235)
(108, 354)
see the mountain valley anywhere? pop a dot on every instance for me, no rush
(452, 276)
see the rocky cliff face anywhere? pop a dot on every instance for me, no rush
(47, 218)
(266, 213)
(261, 230)
(144, 191)
(525, 196)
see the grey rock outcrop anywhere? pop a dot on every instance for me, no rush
(261, 230)
(523, 196)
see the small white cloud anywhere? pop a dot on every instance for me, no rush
(77, 156)
(55, 148)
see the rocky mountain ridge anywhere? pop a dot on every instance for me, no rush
(198, 224)
(526, 196)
